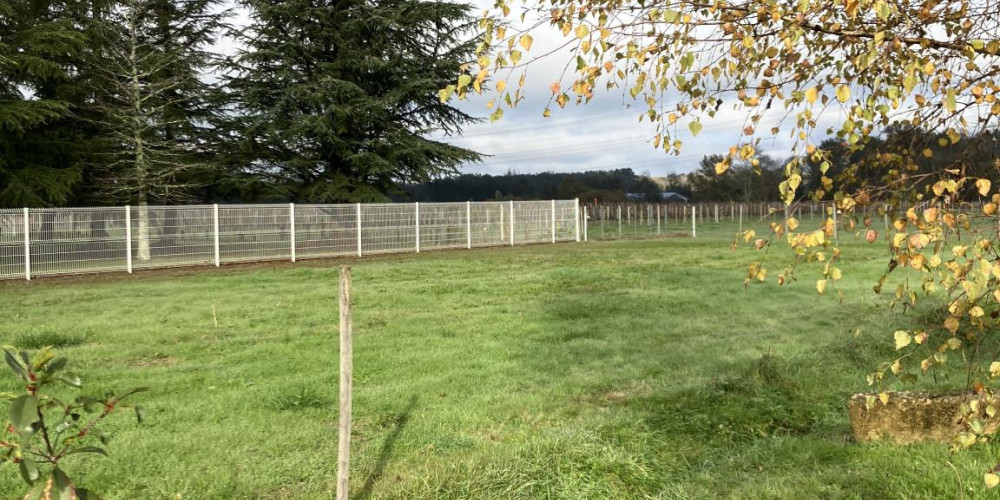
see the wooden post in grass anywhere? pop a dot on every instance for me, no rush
(346, 362)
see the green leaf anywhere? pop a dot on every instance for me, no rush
(24, 413)
(85, 494)
(131, 391)
(949, 101)
(37, 492)
(56, 364)
(140, 414)
(882, 9)
(86, 402)
(13, 363)
(88, 449)
(464, 80)
(695, 128)
(70, 380)
(28, 469)
(62, 487)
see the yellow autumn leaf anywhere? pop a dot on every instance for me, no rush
(919, 240)
(951, 324)
(843, 93)
(812, 94)
(930, 214)
(983, 185)
(820, 286)
(526, 42)
(897, 239)
(582, 31)
(991, 480)
(896, 367)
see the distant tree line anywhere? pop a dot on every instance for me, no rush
(862, 170)
(601, 185)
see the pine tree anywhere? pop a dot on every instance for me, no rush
(337, 97)
(154, 105)
(41, 44)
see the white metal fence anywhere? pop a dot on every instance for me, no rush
(54, 241)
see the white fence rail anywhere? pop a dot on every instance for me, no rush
(55, 241)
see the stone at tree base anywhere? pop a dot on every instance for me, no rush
(913, 417)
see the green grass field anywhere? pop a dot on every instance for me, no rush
(624, 369)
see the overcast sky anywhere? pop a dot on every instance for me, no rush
(603, 135)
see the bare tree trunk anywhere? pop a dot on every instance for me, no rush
(142, 232)
(140, 153)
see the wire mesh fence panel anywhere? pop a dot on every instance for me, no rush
(388, 228)
(490, 223)
(11, 243)
(566, 211)
(166, 236)
(326, 230)
(84, 240)
(532, 221)
(254, 232)
(77, 240)
(443, 225)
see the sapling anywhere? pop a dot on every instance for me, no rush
(43, 431)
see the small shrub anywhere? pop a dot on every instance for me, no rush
(42, 431)
(297, 399)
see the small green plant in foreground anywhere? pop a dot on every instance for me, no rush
(42, 430)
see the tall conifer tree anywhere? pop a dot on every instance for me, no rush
(337, 98)
(41, 46)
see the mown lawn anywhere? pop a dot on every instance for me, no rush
(600, 370)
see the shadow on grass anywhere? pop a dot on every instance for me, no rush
(386, 452)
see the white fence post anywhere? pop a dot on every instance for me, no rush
(741, 218)
(291, 228)
(215, 232)
(27, 246)
(128, 238)
(512, 219)
(416, 218)
(359, 229)
(468, 225)
(553, 221)
(586, 223)
(658, 207)
(694, 227)
(576, 217)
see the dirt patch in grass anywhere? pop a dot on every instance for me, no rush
(153, 361)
